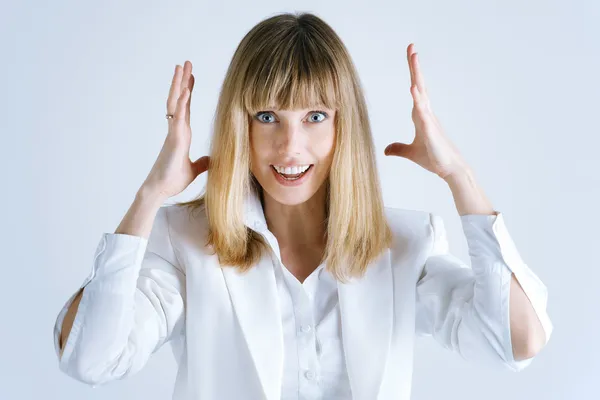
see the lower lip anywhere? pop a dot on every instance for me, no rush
(295, 182)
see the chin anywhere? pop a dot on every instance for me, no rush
(290, 197)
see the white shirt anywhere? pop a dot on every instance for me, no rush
(314, 366)
(143, 293)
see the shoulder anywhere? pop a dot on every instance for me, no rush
(185, 225)
(408, 222)
(402, 221)
(412, 231)
(178, 215)
(409, 226)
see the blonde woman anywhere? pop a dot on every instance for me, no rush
(288, 278)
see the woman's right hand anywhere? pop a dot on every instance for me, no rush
(173, 170)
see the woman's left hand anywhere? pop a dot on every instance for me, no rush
(430, 149)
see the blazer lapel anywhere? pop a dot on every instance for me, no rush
(366, 308)
(256, 303)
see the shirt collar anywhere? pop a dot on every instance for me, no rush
(254, 218)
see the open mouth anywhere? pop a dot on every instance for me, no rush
(292, 177)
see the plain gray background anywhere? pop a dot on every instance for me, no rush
(514, 84)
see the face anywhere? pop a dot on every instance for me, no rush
(296, 139)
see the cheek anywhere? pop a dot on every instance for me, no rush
(259, 152)
(256, 144)
(259, 137)
(260, 148)
(325, 145)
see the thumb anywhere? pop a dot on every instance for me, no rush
(201, 165)
(397, 149)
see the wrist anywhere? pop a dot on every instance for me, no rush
(151, 196)
(461, 175)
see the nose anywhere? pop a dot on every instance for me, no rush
(290, 139)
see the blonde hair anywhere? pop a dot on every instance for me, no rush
(295, 61)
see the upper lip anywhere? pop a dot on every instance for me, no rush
(290, 165)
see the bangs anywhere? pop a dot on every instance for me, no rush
(291, 74)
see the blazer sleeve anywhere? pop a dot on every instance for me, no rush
(466, 309)
(133, 302)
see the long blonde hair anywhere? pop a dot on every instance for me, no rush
(295, 61)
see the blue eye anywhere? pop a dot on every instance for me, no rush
(268, 113)
(260, 114)
(322, 113)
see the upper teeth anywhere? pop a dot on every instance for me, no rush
(291, 170)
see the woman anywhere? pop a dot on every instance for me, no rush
(288, 278)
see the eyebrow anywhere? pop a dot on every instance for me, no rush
(315, 108)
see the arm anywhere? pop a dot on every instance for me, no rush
(498, 306)
(527, 333)
(466, 309)
(137, 222)
(131, 304)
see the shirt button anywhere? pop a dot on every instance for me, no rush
(306, 328)
(309, 374)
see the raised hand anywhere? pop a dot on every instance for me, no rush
(173, 170)
(430, 149)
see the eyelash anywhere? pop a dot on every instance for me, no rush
(269, 112)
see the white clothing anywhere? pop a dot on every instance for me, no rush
(235, 335)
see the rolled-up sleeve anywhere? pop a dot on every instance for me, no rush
(132, 303)
(466, 308)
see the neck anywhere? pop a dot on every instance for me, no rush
(300, 225)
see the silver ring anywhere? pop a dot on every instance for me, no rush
(170, 116)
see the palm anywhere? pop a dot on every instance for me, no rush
(430, 149)
(173, 170)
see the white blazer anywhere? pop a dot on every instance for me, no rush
(226, 330)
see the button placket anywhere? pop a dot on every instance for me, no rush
(307, 356)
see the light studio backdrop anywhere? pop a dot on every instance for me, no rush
(514, 84)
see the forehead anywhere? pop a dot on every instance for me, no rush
(291, 99)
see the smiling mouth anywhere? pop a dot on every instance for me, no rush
(292, 177)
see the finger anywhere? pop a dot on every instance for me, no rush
(189, 103)
(187, 72)
(201, 165)
(181, 104)
(397, 149)
(419, 79)
(416, 95)
(409, 52)
(174, 91)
